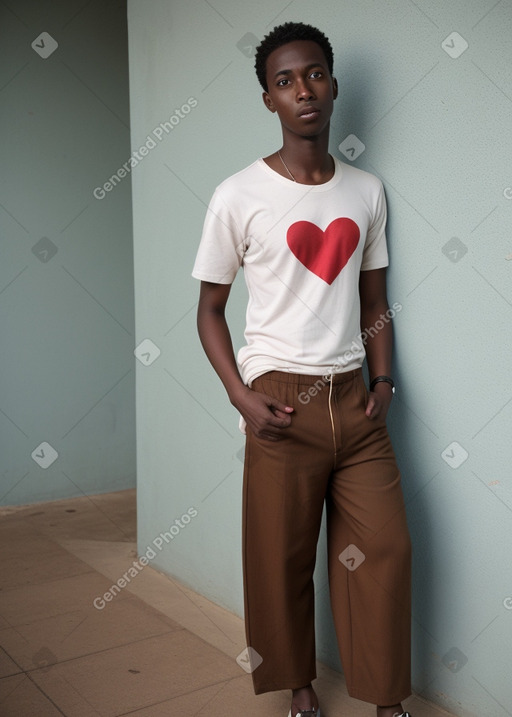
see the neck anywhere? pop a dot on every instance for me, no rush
(308, 157)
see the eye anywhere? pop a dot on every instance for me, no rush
(316, 73)
(280, 83)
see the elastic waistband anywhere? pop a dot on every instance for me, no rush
(303, 379)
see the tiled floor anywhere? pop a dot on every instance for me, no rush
(156, 649)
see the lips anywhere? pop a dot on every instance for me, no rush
(309, 112)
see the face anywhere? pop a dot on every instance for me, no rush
(300, 87)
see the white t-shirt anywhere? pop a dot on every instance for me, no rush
(302, 248)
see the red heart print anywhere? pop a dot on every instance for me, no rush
(324, 253)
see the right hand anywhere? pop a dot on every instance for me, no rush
(266, 417)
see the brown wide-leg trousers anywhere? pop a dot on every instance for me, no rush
(332, 452)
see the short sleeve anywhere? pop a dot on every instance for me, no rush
(222, 246)
(375, 254)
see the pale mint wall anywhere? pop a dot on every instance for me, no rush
(435, 118)
(66, 274)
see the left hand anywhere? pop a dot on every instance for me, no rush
(379, 401)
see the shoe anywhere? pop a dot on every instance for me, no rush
(313, 713)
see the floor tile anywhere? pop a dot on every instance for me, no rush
(89, 517)
(32, 570)
(212, 623)
(24, 605)
(188, 704)
(232, 698)
(19, 697)
(17, 536)
(83, 632)
(135, 676)
(122, 510)
(27, 556)
(7, 665)
(108, 557)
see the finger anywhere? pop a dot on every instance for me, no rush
(278, 406)
(279, 422)
(370, 408)
(285, 417)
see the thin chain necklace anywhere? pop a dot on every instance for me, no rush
(286, 166)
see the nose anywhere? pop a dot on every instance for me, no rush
(304, 92)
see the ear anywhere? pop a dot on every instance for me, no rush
(267, 100)
(335, 87)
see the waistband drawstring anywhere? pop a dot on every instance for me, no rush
(330, 413)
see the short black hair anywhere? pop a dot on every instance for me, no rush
(282, 35)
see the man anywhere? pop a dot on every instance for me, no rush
(309, 232)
